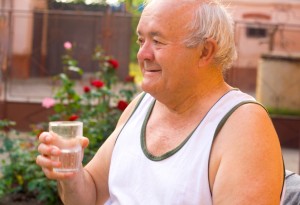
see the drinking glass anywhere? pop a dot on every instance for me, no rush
(67, 139)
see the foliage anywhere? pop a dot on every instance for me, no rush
(283, 112)
(97, 104)
(19, 172)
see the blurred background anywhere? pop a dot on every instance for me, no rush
(76, 60)
(33, 33)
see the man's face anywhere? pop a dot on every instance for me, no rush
(166, 63)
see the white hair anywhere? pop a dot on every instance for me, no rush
(212, 20)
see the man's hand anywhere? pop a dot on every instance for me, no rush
(47, 150)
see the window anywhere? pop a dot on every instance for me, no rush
(254, 32)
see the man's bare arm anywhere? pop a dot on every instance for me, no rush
(249, 167)
(94, 178)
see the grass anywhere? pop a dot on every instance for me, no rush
(283, 111)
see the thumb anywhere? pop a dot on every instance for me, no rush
(84, 142)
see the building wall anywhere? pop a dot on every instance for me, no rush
(267, 14)
(22, 27)
(279, 17)
(19, 22)
(29, 43)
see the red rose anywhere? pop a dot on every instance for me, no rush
(73, 117)
(86, 89)
(97, 83)
(122, 105)
(129, 78)
(113, 63)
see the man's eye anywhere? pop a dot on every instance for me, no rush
(156, 42)
(140, 42)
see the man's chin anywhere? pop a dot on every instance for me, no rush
(147, 86)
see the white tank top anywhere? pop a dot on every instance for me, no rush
(180, 177)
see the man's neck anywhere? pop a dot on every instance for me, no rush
(204, 95)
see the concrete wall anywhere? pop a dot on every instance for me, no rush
(284, 14)
(22, 27)
(259, 13)
(17, 29)
(244, 11)
(24, 114)
(278, 82)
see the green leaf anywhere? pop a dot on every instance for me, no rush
(75, 69)
(8, 144)
(64, 77)
(72, 62)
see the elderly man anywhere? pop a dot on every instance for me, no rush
(189, 138)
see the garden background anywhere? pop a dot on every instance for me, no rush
(82, 66)
(89, 84)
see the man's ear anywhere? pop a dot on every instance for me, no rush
(209, 49)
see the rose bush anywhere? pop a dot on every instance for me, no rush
(97, 102)
(21, 179)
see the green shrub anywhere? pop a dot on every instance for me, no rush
(283, 112)
(98, 105)
(19, 172)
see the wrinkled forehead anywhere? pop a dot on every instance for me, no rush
(180, 6)
(176, 1)
(173, 12)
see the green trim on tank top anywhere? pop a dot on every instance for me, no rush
(144, 145)
(176, 149)
(135, 108)
(222, 123)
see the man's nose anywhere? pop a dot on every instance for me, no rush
(145, 52)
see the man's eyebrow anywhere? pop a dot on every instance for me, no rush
(155, 33)
(152, 33)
